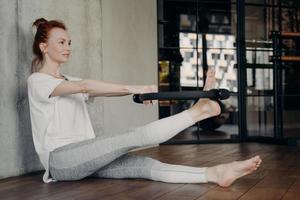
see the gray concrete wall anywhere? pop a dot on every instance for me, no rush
(129, 56)
(112, 40)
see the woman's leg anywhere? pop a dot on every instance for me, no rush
(127, 166)
(132, 166)
(78, 160)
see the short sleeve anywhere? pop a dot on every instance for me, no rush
(88, 99)
(42, 86)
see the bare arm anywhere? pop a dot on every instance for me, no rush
(99, 88)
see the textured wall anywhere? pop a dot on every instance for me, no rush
(111, 40)
(129, 56)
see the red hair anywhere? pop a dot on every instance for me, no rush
(43, 27)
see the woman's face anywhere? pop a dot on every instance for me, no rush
(58, 45)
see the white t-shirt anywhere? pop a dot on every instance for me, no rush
(56, 121)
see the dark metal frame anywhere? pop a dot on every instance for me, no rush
(277, 66)
(241, 63)
(242, 85)
(242, 134)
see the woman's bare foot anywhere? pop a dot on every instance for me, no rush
(210, 79)
(205, 108)
(225, 174)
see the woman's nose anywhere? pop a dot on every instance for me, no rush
(68, 47)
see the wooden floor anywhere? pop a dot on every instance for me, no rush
(278, 177)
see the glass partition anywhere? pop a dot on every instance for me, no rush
(195, 35)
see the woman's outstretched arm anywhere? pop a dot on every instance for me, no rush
(97, 88)
(100, 88)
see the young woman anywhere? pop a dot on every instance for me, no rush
(64, 138)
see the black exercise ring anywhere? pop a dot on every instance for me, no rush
(214, 94)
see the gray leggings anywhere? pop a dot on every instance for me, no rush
(108, 158)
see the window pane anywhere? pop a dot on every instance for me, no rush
(260, 116)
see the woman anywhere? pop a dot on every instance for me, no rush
(64, 138)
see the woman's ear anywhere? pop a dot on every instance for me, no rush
(43, 47)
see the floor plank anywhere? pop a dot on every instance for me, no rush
(278, 177)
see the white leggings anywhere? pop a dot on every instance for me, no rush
(108, 158)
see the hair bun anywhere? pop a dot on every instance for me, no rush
(36, 25)
(39, 21)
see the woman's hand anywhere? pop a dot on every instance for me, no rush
(141, 89)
